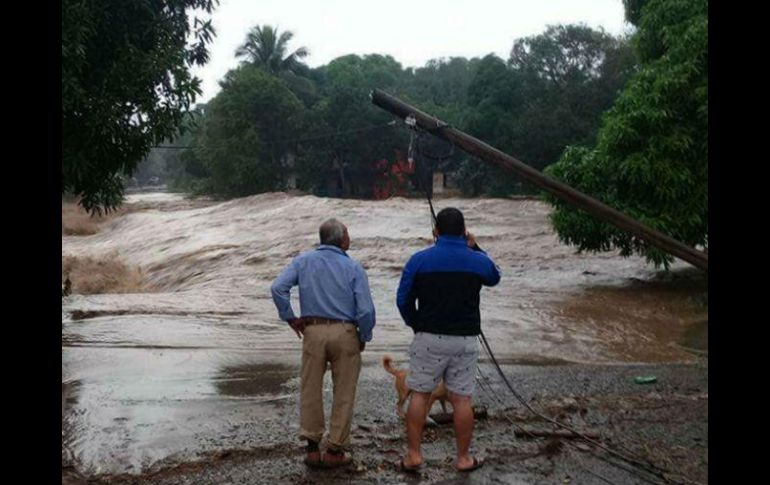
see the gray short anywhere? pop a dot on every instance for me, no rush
(450, 357)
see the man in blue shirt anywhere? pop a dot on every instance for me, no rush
(337, 318)
(446, 281)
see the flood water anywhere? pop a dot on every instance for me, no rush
(200, 362)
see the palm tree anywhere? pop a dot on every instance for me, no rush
(265, 48)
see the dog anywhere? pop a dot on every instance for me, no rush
(439, 394)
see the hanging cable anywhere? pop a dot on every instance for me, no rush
(659, 472)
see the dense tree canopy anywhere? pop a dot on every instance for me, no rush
(126, 86)
(242, 129)
(625, 117)
(549, 94)
(651, 156)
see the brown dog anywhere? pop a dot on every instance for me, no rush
(439, 394)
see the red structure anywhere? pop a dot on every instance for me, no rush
(393, 179)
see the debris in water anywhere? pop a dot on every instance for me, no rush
(645, 379)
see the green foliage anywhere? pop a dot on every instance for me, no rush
(627, 119)
(634, 10)
(242, 131)
(495, 105)
(347, 82)
(550, 94)
(126, 86)
(264, 47)
(651, 156)
(443, 82)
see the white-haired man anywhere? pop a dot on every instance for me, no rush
(337, 318)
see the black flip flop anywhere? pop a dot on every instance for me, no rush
(401, 466)
(476, 465)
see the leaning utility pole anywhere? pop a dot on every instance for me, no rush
(561, 190)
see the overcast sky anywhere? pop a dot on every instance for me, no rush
(412, 31)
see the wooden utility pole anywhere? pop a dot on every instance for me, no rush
(561, 190)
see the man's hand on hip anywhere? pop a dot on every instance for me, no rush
(361, 346)
(298, 325)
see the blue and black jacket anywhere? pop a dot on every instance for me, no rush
(445, 281)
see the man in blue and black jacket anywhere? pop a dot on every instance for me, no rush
(438, 297)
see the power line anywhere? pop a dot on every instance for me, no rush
(628, 457)
(295, 140)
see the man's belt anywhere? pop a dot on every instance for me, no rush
(322, 321)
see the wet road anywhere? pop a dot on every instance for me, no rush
(202, 363)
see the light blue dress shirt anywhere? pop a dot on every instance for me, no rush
(331, 285)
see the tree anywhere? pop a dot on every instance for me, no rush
(126, 86)
(495, 106)
(441, 88)
(550, 94)
(243, 129)
(651, 156)
(569, 75)
(265, 48)
(347, 82)
(443, 82)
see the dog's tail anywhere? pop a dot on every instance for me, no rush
(387, 363)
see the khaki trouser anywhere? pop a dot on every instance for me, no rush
(337, 344)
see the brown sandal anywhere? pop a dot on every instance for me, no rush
(345, 461)
(313, 463)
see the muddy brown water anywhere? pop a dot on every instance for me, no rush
(202, 362)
